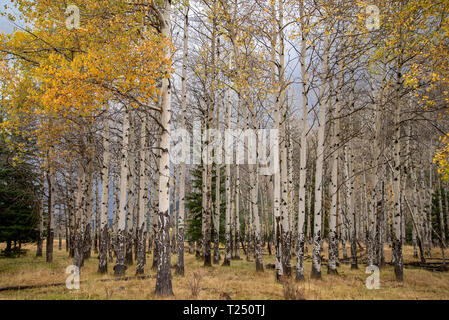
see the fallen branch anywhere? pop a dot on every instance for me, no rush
(37, 286)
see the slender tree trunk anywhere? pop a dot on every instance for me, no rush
(291, 192)
(156, 207)
(317, 236)
(143, 198)
(117, 212)
(440, 203)
(447, 205)
(78, 255)
(303, 155)
(182, 176)
(236, 212)
(216, 259)
(285, 228)
(275, 152)
(60, 211)
(120, 267)
(229, 156)
(233, 222)
(41, 222)
(51, 214)
(88, 205)
(163, 277)
(378, 180)
(351, 176)
(97, 215)
(397, 218)
(104, 225)
(174, 214)
(131, 177)
(254, 182)
(335, 131)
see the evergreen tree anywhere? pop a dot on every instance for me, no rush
(194, 201)
(18, 216)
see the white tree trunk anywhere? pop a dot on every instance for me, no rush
(317, 236)
(285, 228)
(254, 182)
(130, 187)
(104, 228)
(303, 152)
(163, 278)
(143, 198)
(120, 268)
(275, 156)
(182, 176)
(397, 217)
(333, 189)
(229, 154)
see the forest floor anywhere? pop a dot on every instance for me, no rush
(240, 280)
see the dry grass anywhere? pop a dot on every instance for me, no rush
(240, 281)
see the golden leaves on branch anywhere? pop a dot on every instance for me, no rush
(62, 79)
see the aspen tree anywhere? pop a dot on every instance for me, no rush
(51, 212)
(41, 220)
(254, 182)
(236, 203)
(130, 183)
(317, 236)
(229, 155)
(275, 157)
(155, 218)
(97, 214)
(120, 267)
(104, 228)
(182, 175)
(285, 234)
(303, 155)
(333, 190)
(143, 198)
(397, 241)
(216, 258)
(163, 277)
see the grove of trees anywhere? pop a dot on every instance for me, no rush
(355, 91)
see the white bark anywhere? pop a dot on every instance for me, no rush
(285, 228)
(303, 152)
(163, 277)
(143, 198)
(120, 267)
(333, 190)
(317, 236)
(104, 228)
(182, 176)
(228, 155)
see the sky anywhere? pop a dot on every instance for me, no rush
(5, 25)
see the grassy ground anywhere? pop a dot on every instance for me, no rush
(240, 281)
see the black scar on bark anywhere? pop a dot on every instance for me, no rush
(398, 266)
(141, 251)
(259, 266)
(180, 263)
(299, 275)
(226, 262)
(120, 269)
(103, 257)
